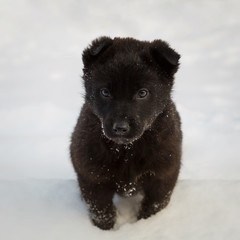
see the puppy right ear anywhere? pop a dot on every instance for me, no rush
(166, 57)
(95, 49)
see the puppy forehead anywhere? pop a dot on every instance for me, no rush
(125, 84)
(124, 73)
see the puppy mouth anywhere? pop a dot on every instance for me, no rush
(122, 140)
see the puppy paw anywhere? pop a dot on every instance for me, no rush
(104, 218)
(151, 207)
(148, 210)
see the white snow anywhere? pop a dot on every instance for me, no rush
(41, 95)
(52, 209)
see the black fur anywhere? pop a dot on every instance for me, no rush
(124, 143)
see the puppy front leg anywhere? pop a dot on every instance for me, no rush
(157, 195)
(103, 217)
(99, 201)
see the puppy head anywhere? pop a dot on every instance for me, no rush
(128, 84)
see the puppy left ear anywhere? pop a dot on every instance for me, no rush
(96, 48)
(166, 58)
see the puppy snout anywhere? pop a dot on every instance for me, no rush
(121, 128)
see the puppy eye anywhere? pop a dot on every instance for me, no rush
(104, 92)
(142, 93)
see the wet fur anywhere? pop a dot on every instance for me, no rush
(150, 162)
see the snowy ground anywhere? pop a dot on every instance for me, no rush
(40, 97)
(52, 210)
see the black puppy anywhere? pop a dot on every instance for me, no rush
(128, 136)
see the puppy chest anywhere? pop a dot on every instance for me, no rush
(127, 189)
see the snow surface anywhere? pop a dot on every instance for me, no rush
(52, 209)
(41, 95)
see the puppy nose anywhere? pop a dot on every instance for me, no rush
(121, 128)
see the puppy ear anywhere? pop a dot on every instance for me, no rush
(93, 51)
(165, 57)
